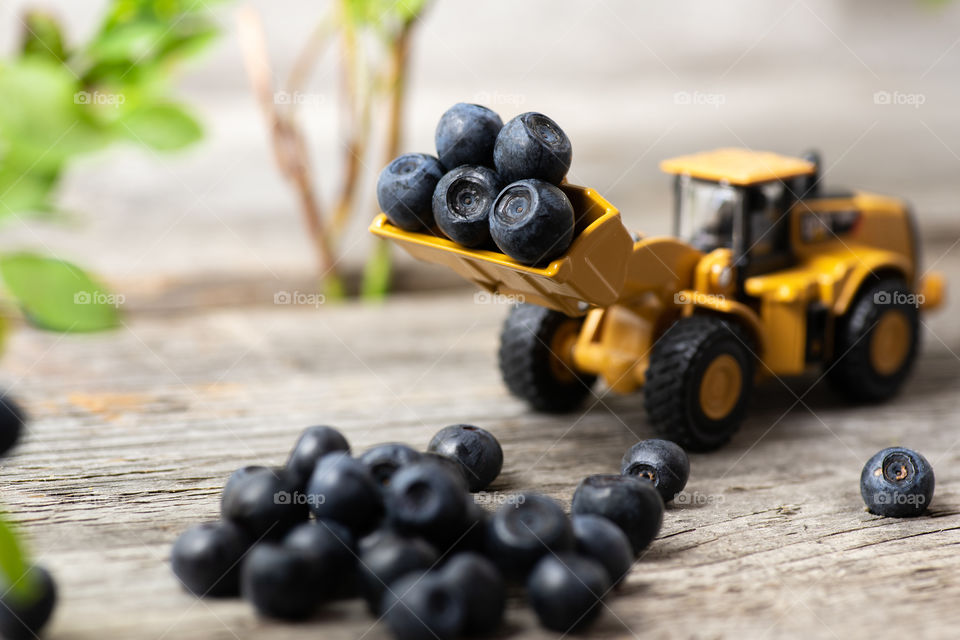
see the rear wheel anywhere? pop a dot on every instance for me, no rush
(699, 381)
(876, 343)
(536, 347)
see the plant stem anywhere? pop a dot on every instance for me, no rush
(376, 276)
(289, 145)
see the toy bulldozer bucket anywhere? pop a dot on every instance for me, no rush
(591, 273)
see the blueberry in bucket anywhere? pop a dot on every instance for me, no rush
(532, 221)
(466, 134)
(532, 146)
(462, 201)
(405, 190)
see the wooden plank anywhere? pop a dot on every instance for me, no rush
(134, 433)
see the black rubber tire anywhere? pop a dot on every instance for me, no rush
(525, 358)
(677, 364)
(852, 374)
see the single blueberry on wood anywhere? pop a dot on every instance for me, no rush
(26, 607)
(521, 533)
(263, 502)
(476, 449)
(532, 146)
(662, 462)
(897, 482)
(279, 582)
(313, 444)
(462, 202)
(405, 190)
(466, 134)
(206, 558)
(422, 606)
(384, 460)
(631, 504)
(566, 591)
(342, 489)
(532, 221)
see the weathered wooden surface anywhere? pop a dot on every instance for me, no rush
(134, 432)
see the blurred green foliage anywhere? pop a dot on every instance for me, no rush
(13, 564)
(59, 101)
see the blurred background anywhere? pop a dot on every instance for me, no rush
(206, 217)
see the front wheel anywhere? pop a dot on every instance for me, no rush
(535, 348)
(699, 381)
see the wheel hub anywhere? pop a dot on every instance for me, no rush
(720, 387)
(890, 342)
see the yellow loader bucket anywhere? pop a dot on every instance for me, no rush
(591, 273)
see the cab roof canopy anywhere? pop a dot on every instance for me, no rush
(738, 166)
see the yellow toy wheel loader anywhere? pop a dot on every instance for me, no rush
(768, 275)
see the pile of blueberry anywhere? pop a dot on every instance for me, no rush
(27, 602)
(491, 184)
(399, 528)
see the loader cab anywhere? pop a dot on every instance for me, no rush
(739, 200)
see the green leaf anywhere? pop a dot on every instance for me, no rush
(42, 117)
(161, 126)
(409, 10)
(42, 36)
(26, 192)
(132, 42)
(57, 295)
(13, 563)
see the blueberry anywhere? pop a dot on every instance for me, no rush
(11, 424)
(206, 558)
(462, 201)
(474, 448)
(662, 462)
(566, 590)
(631, 504)
(405, 190)
(897, 482)
(597, 538)
(342, 489)
(237, 479)
(26, 607)
(331, 551)
(449, 464)
(313, 444)
(519, 534)
(389, 558)
(427, 500)
(466, 134)
(279, 582)
(263, 502)
(532, 222)
(422, 606)
(474, 537)
(532, 146)
(384, 460)
(483, 590)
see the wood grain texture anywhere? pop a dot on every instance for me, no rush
(134, 432)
